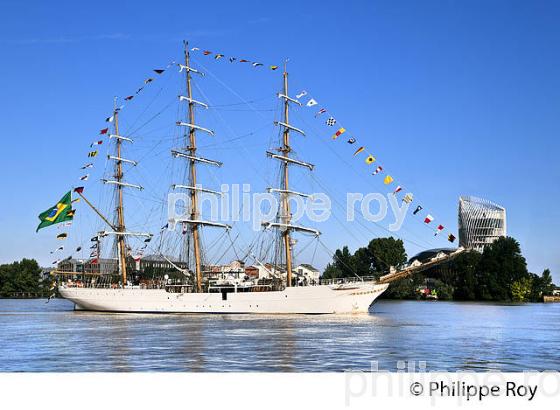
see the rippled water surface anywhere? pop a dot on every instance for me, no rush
(36, 336)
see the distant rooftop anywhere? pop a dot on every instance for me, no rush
(430, 253)
(480, 202)
(308, 266)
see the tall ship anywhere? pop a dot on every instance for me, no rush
(180, 278)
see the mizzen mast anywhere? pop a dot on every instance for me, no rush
(284, 214)
(194, 220)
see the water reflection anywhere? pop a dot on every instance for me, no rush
(447, 336)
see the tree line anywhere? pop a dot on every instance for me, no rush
(499, 273)
(22, 277)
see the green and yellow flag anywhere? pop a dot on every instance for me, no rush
(61, 212)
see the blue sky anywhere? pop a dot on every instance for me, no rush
(454, 97)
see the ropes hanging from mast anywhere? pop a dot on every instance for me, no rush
(194, 222)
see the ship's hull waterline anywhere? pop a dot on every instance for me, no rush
(322, 299)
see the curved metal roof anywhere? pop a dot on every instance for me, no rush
(476, 202)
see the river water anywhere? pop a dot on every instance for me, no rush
(38, 336)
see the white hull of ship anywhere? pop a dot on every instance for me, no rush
(322, 299)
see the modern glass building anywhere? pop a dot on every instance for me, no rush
(481, 222)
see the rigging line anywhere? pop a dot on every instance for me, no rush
(241, 103)
(148, 216)
(363, 225)
(215, 147)
(363, 177)
(300, 251)
(231, 90)
(249, 156)
(237, 138)
(147, 182)
(225, 252)
(252, 244)
(341, 261)
(157, 145)
(149, 134)
(314, 252)
(357, 240)
(242, 110)
(135, 130)
(234, 219)
(334, 198)
(210, 250)
(220, 116)
(154, 98)
(232, 244)
(216, 241)
(352, 234)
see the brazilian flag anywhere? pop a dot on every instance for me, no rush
(61, 212)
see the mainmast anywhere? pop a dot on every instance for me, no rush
(192, 172)
(121, 246)
(190, 154)
(285, 216)
(285, 183)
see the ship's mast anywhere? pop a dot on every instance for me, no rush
(192, 171)
(285, 217)
(117, 226)
(190, 153)
(285, 183)
(120, 227)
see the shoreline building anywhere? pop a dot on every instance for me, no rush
(481, 222)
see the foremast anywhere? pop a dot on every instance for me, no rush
(190, 154)
(284, 216)
(121, 245)
(119, 227)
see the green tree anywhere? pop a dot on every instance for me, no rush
(501, 264)
(342, 265)
(546, 283)
(362, 261)
(331, 272)
(344, 262)
(23, 276)
(386, 252)
(403, 288)
(444, 290)
(464, 275)
(499, 273)
(521, 289)
(542, 286)
(373, 260)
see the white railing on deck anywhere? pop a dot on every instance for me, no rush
(335, 281)
(340, 281)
